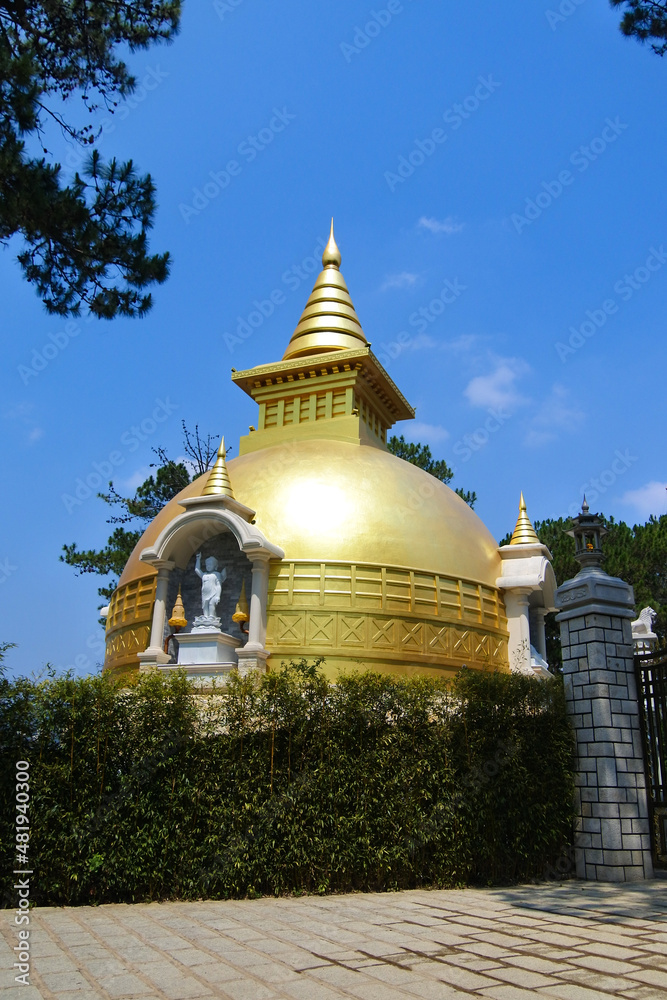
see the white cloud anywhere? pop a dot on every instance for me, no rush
(648, 499)
(498, 389)
(462, 344)
(429, 433)
(24, 414)
(403, 280)
(556, 414)
(136, 479)
(447, 226)
(422, 342)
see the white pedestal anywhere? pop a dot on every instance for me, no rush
(151, 658)
(207, 647)
(250, 658)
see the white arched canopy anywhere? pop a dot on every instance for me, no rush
(203, 519)
(528, 583)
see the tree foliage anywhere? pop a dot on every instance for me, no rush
(420, 455)
(150, 497)
(287, 784)
(86, 242)
(645, 21)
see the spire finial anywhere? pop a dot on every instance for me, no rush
(331, 255)
(584, 507)
(218, 482)
(524, 532)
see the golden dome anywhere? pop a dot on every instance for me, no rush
(333, 501)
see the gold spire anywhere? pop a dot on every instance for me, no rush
(241, 613)
(329, 321)
(331, 255)
(524, 533)
(178, 619)
(218, 482)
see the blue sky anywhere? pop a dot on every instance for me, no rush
(496, 173)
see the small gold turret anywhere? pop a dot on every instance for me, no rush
(329, 321)
(178, 619)
(218, 482)
(524, 532)
(241, 612)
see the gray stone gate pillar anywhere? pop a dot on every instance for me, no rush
(612, 823)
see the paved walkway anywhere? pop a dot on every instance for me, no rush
(573, 941)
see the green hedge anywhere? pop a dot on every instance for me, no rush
(284, 784)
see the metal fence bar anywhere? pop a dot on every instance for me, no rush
(651, 674)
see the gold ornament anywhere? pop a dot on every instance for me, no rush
(178, 619)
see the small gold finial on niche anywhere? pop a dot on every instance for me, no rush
(218, 482)
(524, 532)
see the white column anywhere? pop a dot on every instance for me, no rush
(155, 653)
(518, 623)
(537, 632)
(258, 602)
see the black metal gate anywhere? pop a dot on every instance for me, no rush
(651, 673)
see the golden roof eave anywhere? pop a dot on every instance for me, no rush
(313, 366)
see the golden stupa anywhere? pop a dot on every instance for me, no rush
(384, 567)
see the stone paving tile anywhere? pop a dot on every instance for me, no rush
(59, 982)
(487, 949)
(52, 963)
(509, 993)
(536, 964)
(570, 991)
(304, 990)
(521, 977)
(614, 950)
(654, 977)
(599, 981)
(644, 993)
(124, 985)
(242, 989)
(470, 962)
